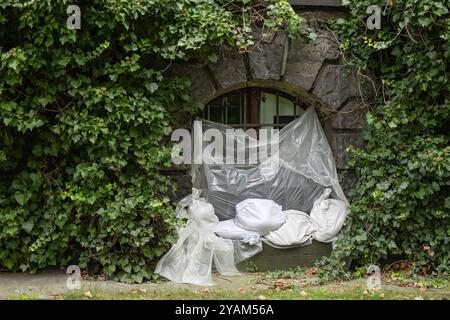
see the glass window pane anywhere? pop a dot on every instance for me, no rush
(299, 110)
(234, 115)
(215, 114)
(233, 100)
(286, 107)
(229, 108)
(267, 108)
(268, 111)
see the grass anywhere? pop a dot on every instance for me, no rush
(291, 284)
(289, 294)
(350, 290)
(23, 297)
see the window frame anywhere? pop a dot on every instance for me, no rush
(251, 109)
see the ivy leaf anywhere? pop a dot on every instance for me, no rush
(151, 86)
(447, 203)
(312, 36)
(22, 198)
(28, 226)
(45, 100)
(425, 21)
(212, 57)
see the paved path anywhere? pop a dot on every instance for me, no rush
(52, 285)
(48, 284)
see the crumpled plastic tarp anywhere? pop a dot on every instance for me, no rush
(294, 173)
(198, 249)
(298, 173)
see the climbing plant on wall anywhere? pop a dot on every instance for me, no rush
(401, 203)
(83, 114)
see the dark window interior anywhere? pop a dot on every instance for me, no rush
(254, 108)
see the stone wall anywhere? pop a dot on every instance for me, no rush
(312, 71)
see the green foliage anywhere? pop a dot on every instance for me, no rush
(290, 273)
(250, 266)
(401, 203)
(83, 117)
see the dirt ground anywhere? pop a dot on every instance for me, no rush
(52, 285)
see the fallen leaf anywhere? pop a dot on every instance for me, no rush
(280, 284)
(403, 265)
(424, 270)
(58, 296)
(88, 294)
(303, 293)
(262, 298)
(311, 272)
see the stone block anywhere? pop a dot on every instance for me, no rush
(266, 59)
(202, 86)
(340, 141)
(305, 59)
(351, 116)
(334, 87)
(229, 70)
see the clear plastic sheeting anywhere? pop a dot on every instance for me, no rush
(244, 251)
(198, 249)
(291, 174)
(293, 171)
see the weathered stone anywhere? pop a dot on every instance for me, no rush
(348, 179)
(266, 59)
(229, 70)
(305, 59)
(184, 184)
(333, 87)
(351, 116)
(202, 87)
(340, 141)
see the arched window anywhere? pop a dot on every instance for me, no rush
(254, 108)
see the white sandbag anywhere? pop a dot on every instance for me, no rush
(229, 230)
(296, 231)
(259, 215)
(327, 217)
